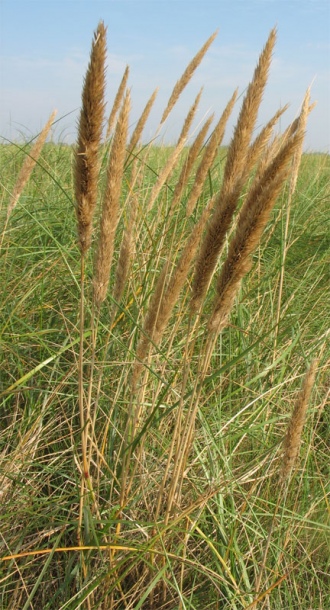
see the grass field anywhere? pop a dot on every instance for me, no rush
(184, 504)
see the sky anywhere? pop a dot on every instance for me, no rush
(45, 45)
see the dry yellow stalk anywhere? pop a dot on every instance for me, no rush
(186, 76)
(136, 135)
(110, 207)
(234, 176)
(252, 219)
(209, 155)
(117, 102)
(28, 165)
(292, 440)
(89, 137)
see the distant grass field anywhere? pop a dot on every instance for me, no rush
(147, 458)
(255, 374)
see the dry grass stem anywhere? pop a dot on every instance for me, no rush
(209, 155)
(110, 206)
(234, 175)
(185, 78)
(86, 169)
(292, 440)
(117, 102)
(28, 165)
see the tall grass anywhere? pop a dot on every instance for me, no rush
(162, 445)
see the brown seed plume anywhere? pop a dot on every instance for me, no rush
(110, 206)
(185, 78)
(89, 137)
(209, 155)
(252, 219)
(136, 135)
(190, 117)
(234, 176)
(28, 165)
(166, 294)
(117, 102)
(292, 440)
(190, 160)
(125, 252)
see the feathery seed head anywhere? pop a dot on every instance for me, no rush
(89, 138)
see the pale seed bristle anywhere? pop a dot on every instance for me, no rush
(190, 117)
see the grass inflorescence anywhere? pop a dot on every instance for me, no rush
(163, 430)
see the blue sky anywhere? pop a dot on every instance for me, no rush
(45, 44)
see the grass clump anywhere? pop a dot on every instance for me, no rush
(154, 344)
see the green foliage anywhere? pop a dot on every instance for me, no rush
(230, 491)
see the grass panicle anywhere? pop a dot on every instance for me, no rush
(156, 490)
(90, 128)
(110, 206)
(189, 162)
(210, 152)
(292, 440)
(186, 76)
(28, 166)
(137, 133)
(117, 103)
(234, 177)
(189, 118)
(252, 219)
